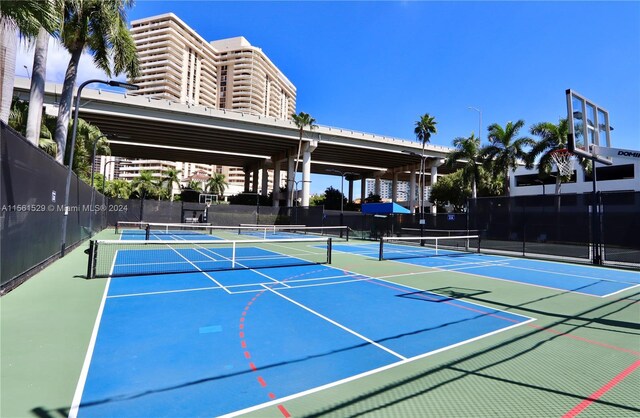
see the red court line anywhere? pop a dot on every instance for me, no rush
(284, 411)
(604, 389)
(586, 340)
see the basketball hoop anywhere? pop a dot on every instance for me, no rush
(562, 158)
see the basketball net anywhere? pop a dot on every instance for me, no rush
(562, 158)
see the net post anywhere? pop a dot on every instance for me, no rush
(147, 232)
(329, 250)
(91, 264)
(436, 245)
(117, 224)
(348, 229)
(381, 253)
(233, 255)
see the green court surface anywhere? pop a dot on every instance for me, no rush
(579, 357)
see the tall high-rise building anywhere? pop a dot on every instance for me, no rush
(178, 64)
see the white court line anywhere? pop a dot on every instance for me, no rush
(367, 373)
(573, 275)
(163, 292)
(200, 270)
(255, 271)
(77, 397)
(362, 337)
(507, 259)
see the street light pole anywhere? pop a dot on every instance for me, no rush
(63, 240)
(479, 121)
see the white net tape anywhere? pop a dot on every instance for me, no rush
(562, 158)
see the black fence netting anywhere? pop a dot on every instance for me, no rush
(32, 202)
(533, 224)
(620, 220)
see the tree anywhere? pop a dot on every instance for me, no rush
(217, 185)
(194, 185)
(171, 177)
(505, 150)
(425, 127)
(86, 137)
(317, 200)
(451, 190)
(36, 92)
(101, 28)
(118, 188)
(333, 198)
(301, 120)
(373, 198)
(26, 17)
(18, 121)
(144, 185)
(468, 153)
(552, 138)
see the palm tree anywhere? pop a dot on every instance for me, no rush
(504, 150)
(552, 138)
(301, 120)
(101, 28)
(36, 92)
(26, 17)
(171, 177)
(217, 184)
(195, 185)
(144, 184)
(18, 121)
(467, 150)
(119, 188)
(425, 127)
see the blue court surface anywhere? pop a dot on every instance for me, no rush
(584, 279)
(199, 344)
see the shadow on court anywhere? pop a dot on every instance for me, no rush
(440, 384)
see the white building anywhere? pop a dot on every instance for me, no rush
(623, 175)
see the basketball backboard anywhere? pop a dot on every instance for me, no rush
(589, 127)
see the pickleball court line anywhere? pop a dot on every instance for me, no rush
(407, 262)
(84, 372)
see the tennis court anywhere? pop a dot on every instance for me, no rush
(255, 335)
(214, 321)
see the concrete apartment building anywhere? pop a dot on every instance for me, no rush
(178, 64)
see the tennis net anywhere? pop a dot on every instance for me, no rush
(150, 230)
(118, 258)
(394, 248)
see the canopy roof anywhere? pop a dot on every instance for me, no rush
(384, 208)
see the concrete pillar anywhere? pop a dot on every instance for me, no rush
(412, 189)
(376, 188)
(434, 180)
(265, 181)
(276, 184)
(394, 188)
(254, 188)
(306, 175)
(350, 190)
(247, 179)
(290, 183)
(363, 189)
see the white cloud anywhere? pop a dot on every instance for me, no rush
(57, 63)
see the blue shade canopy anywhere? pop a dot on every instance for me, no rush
(383, 208)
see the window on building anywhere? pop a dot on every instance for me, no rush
(612, 172)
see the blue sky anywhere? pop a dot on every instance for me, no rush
(377, 66)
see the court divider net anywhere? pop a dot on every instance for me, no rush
(394, 248)
(149, 230)
(118, 258)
